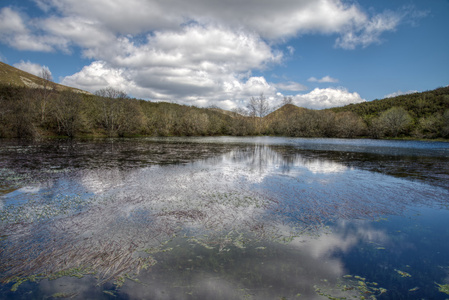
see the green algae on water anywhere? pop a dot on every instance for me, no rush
(444, 288)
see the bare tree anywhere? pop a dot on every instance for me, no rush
(45, 74)
(287, 100)
(194, 123)
(165, 120)
(23, 116)
(258, 108)
(240, 111)
(131, 118)
(241, 124)
(112, 93)
(4, 111)
(111, 110)
(47, 89)
(6, 116)
(67, 112)
(348, 125)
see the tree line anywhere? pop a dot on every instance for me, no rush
(30, 113)
(417, 115)
(40, 112)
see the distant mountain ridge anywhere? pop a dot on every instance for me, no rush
(12, 76)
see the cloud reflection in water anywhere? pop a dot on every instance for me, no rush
(225, 205)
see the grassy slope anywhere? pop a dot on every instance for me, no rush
(15, 77)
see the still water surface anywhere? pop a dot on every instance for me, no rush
(224, 218)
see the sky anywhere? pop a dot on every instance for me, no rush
(322, 53)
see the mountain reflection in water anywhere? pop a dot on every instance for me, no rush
(243, 221)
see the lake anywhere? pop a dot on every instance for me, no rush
(224, 218)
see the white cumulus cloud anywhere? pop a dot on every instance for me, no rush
(96, 76)
(370, 32)
(194, 64)
(269, 19)
(195, 52)
(325, 79)
(15, 32)
(326, 98)
(291, 86)
(399, 93)
(11, 22)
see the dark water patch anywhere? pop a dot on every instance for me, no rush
(23, 163)
(410, 259)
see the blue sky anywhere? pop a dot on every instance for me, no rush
(222, 52)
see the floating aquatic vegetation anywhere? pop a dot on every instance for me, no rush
(402, 273)
(64, 295)
(38, 209)
(111, 236)
(111, 232)
(11, 180)
(128, 214)
(443, 288)
(351, 287)
(223, 241)
(110, 293)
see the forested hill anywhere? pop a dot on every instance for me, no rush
(418, 105)
(35, 112)
(421, 115)
(32, 107)
(38, 112)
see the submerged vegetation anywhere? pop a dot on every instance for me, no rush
(351, 287)
(222, 207)
(443, 288)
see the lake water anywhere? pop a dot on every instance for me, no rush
(224, 218)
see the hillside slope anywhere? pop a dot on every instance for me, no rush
(11, 76)
(418, 115)
(418, 104)
(285, 112)
(28, 111)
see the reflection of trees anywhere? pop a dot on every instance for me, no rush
(262, 160)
